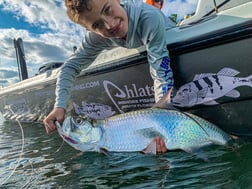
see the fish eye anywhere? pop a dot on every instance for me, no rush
(79, 120)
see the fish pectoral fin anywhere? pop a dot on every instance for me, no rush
(234, 94)
(151, 148)
(211, 103)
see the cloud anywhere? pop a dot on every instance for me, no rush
(54, 36)
(8, 73)
(8, 76)
(46, 14)
(55, 41)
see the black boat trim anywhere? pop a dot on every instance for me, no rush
(226, 35)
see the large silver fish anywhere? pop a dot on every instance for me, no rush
(135, 131)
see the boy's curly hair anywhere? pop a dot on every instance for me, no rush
(76, 7)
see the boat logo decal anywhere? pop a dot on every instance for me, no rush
(86, 85)
(130, 96)
(93, 110)
(206, 88)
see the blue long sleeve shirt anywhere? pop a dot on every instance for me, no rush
(146, 27)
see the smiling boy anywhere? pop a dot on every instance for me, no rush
(110, 25)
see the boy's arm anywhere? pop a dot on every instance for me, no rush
(81, 59)
(158, 55)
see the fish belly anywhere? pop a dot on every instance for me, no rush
(134, 131)
(126, 135)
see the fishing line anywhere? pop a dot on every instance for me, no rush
(29, 181)
(29, 184)
(56, 122)
(20, 156)
(59, 147)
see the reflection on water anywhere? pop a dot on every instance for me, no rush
(44, 164)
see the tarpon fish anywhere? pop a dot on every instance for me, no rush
(134, 132)
(207, 87)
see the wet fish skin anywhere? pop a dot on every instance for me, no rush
(134, 131)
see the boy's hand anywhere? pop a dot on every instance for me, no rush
(57, 114)
(160, 145)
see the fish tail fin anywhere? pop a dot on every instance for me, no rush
(249, 78)
(234, 137)
(222, 138)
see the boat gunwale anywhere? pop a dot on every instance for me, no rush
(222, 36)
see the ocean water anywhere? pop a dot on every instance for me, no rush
(38, 160)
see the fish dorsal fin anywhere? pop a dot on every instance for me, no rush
(200, 76)
(228, 72)
(224, 71)
(165, 102)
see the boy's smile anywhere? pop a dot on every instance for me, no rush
(106, 18)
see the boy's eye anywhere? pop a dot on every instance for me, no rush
(96, 25)
(107, 10)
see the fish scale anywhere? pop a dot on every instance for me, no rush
(134, 131)
(156, 122)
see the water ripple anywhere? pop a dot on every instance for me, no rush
(45, 164)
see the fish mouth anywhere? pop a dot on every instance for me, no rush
(68, 139)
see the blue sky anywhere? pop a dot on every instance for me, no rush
(47, 33)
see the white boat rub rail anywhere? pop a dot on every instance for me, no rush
(224, 19)
(208, 7)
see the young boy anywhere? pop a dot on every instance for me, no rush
(110, 25)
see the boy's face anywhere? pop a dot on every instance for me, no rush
(106, 18)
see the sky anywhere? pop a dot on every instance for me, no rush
(47, 33)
